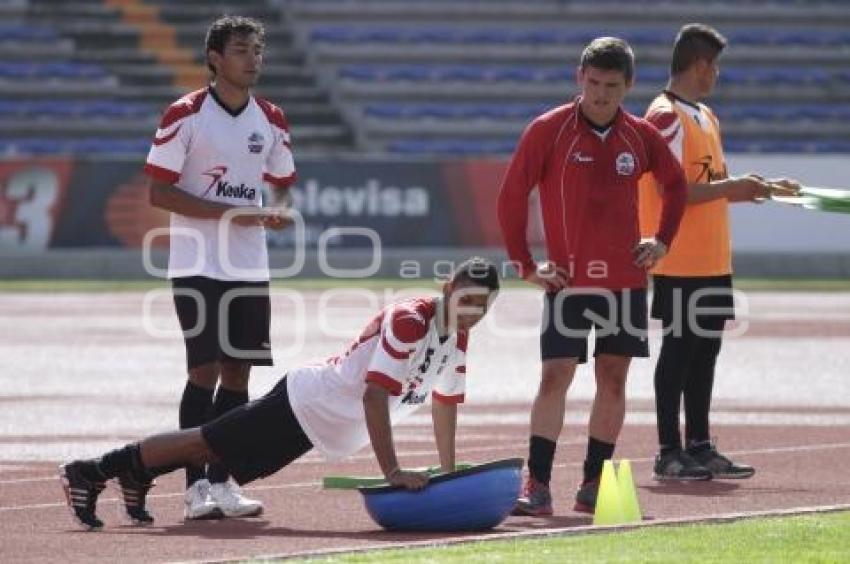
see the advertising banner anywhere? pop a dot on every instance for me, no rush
(63, 203)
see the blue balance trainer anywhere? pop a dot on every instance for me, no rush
(473, 499)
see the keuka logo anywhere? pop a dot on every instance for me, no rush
(706, 172)
(223, 188)
(215, 173)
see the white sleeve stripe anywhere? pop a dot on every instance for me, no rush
(676, 144)
(395, 342)
(669, 131)
(160, 131)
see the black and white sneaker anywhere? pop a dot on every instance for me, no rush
(720, 466)
(81, 495)
(678, 465)
(133, 492)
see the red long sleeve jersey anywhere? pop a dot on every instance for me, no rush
(588, 195)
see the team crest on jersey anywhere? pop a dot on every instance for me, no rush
(255, 142)
(414, 395)
(625, 164)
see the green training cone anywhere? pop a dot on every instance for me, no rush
(628, 494)
(609, 509)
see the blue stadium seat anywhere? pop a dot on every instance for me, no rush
(92, 109)
(484, 35)
(59, 70)
(761, 76)
(652, 74)
(454, 73)
(451, 147)
(787, 146)
(86, 146)
(449, 111)
(20, 33)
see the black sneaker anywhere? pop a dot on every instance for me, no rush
(134, 493)
(720, 466)
(678, 465)
(81, 495)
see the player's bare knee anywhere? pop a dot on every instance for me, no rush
(199, 451)
(611, 385)
(556, 376)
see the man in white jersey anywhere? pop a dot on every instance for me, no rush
(214, 151)
(411, 349)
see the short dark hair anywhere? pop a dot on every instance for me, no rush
(225, 27)
(695, 42)
(609, 53)
(478, 271)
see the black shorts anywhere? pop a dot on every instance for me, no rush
(675, 298)
(618, 317)
(239, 332)
(258, 438)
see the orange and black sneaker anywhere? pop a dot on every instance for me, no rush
(536, 500)
(586, 496)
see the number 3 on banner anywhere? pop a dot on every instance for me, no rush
(31, 194)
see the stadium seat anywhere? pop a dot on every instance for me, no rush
(20, 33)
(451, 147)
(86, 146)
(73, 109)
(646, 36)
(51, 70)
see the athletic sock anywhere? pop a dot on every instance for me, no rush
(124, 460)
(195, 409)
(699, 387)
(597, 453)
(541, 454)
(225, 400)
(90, 471)
(695, 447)
(667, 449)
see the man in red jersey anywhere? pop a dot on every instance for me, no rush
(585, 158)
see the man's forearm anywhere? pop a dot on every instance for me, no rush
(380, 429)
(444, 417)
(175, 200)
(707, 192)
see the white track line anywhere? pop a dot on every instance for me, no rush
(315, 484)
(313, 459)
(772, 450)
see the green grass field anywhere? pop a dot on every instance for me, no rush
(809, 538)
(747, 284)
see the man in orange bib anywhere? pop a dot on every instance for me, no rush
(693, 283)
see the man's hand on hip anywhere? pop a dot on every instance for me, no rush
(648, 252)
(549, 277)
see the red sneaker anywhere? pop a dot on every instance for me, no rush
(536, 500)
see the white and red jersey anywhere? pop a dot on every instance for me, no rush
(208, 151)
(401, 350)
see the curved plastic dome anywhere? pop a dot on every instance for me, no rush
(474, 499)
